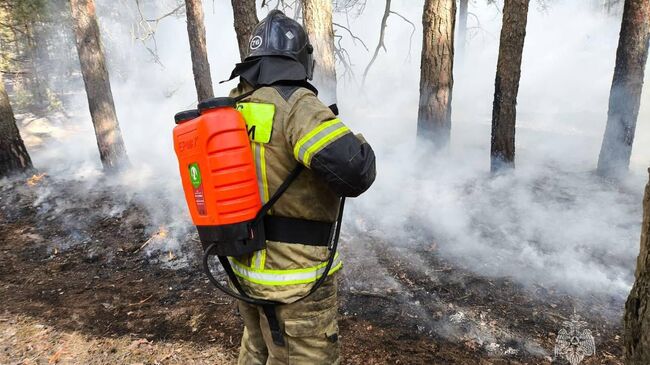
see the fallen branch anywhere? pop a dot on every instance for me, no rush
(143, 245)
(371, 294)
(142, 301)
(161, 233)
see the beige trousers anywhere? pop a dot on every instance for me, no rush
(309, 327)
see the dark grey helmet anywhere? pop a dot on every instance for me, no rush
(279, 35)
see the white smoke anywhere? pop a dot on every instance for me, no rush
(551, 221)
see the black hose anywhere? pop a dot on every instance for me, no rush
(243, 297)
(334, 240)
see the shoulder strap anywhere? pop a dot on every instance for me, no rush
(245, 95)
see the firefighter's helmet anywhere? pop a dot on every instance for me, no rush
(279, 35)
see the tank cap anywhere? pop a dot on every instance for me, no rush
(186, 115)
(216, 103)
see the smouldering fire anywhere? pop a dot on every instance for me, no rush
(35, 179)
(162, 233)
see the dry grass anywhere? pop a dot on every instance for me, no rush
(26, 341)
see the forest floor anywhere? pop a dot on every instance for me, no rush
(77, 287)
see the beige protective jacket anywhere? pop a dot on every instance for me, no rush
(288, 125)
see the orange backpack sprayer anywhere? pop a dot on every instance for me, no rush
(218, 175)
(220, 184)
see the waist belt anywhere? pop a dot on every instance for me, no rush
(294, 230)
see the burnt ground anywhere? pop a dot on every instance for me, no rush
(76, 287)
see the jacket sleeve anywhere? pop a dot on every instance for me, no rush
(321, 142)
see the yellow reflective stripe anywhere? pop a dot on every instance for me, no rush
(314, 137)
(283, 277)
(293, 279)
(320, 144)
(314, 132)
(287, 271)
(265, 183)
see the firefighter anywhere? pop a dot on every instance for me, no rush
(287, 125)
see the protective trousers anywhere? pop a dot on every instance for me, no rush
(309, 327)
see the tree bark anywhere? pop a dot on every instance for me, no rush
(112, 151)
(637, 307)
(318, 23)
(13, 154)
(436, 72)
(245, 16)
(198, 50)
(506, 85)
(625, 94)
(462, 31)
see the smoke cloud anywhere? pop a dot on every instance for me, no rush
(551, 221)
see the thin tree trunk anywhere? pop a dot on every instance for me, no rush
(436, 72)
(637, 307)
(625, 94)
(112, 151)
(38, 87)
(506, 85)
(198, 50)
(462, 31)
(245, 16)
(318, 23)
(13, 154)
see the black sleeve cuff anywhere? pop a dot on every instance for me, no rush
(347, 165)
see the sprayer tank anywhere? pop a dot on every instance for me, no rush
(216, 164)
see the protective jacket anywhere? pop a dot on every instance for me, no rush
(287, 125)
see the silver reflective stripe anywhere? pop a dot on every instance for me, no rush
(262, 185)
(258, 259)
(283, 277)
(317, 139)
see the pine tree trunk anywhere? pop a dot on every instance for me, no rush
(13, 154)
(506, 85)
(112, 151)
(436, 72)
(38, 87)
(625, 94)
(637, 307)
(462, 31)
(245, 16)
(198, 50)
(318, 23)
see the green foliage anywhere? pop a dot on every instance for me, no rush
(26, 29)
(53, 101)
(22, 99)
(24, 11)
